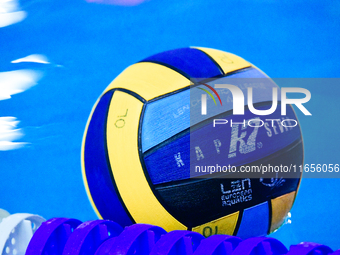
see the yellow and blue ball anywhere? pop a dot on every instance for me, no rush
(130, 163)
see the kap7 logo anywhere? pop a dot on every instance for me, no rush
(239, 101)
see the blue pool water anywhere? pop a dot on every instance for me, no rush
(76, 48)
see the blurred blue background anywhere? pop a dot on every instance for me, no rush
(78, 48)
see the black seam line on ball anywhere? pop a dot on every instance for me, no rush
(270, 214)
(238, 223)
(211, 79)
(169, 94)
(198, 125)
(221, 70)
(213, 60)
(131, 93)
(292, 146)
(192, 84)
(146, 174)
(109, 166)
(180, 185)
(228, 113)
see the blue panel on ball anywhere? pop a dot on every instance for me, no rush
(97, 168)
(165, 118)
(168, 116)
(255, 221)
(215, 143)
(170, 162)
(191, 62)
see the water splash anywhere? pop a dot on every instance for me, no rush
(288, 219)
(10, 13)
(9, 133)
(14, 82)
(33, 58)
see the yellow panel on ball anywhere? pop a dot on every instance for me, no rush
(227, 61)
(280, 208)
(122, 145)
(222, 226)
(149, 80)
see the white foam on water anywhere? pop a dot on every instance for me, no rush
(9, 133)
(14, 82)
(10, 13)
(34, 58)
